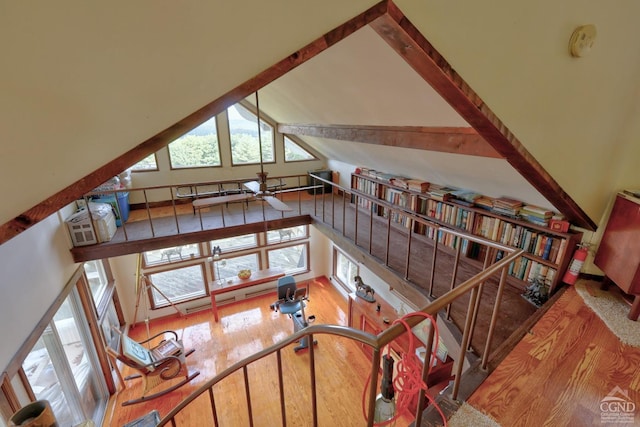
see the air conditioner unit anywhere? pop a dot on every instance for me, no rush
(104, 224)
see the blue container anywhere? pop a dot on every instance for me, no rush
(121, 211)
(123, 204)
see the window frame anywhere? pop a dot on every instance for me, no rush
(305, 235)
(299, 270)
(338, 252)
(171, 301)
(267, 121)
(233, 249)
(299, 143)
(216, 147)
(233, 255)
(155, 169)
(146, 264)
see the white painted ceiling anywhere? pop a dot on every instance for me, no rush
(362, 81)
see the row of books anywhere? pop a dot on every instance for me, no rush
(450, 206)
(398, 198)
(528, 269)
(369, 187)
(450, 214)
(381, 176)
(543, 245)
(412, 184)
(505, 206)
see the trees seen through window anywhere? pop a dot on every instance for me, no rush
(197, 148)
(243, 132)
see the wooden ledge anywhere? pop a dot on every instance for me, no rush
(257, 278)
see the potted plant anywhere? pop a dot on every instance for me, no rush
(537, 292)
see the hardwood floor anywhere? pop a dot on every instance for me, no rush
(514, 309)
(245, 328)
(557, 375)
(560, 372)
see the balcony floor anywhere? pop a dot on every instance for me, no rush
(561, 371)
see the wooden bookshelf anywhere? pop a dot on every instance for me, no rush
(547, 252)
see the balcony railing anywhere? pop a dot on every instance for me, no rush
(339, 210)
(472, 287)
(173, 221)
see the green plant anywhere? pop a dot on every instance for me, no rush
(537, 292)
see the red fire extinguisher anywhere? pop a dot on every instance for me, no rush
(571, 275)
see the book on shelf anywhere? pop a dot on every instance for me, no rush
(464, 197)
(507, 203)
(536, 211)
(440, 192)
(417, 185)
(484, 202)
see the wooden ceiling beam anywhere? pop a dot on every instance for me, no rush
(75, 190)
(456, 140)
(407, 41)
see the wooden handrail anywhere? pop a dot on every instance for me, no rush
(376, 342)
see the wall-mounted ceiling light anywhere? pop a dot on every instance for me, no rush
(581, 40)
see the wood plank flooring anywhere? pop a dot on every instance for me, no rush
(557, 375)
(561, 371)
(245, 328)
(514, 309)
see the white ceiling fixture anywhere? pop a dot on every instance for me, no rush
(582, 40)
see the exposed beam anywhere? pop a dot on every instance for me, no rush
(113, 249)
(390, 23)
(74, 191)
(457, 140)
(407, 41)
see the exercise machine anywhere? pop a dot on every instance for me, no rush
(291, 301)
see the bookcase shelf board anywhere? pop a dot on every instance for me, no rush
(547, 252)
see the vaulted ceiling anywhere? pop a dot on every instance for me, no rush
(372, 83)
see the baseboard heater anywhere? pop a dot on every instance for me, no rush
(197, 308)
(259, 293)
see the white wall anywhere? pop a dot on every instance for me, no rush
(35, 266)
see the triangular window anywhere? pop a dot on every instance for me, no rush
(293, 152)
(243, 132)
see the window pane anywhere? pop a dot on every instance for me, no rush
(172, 254)
(228, 268)
(243, 132)
(292, 259)
(346, 270)
(97, 279)
(44, 381)
(285, 234)
(235, 243)
(62, 367)
(198, 148)
(75, 347)
(147, 164)
(178, 285)
(109, 322)
(295, 153)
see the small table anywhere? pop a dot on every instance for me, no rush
(257, 278)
